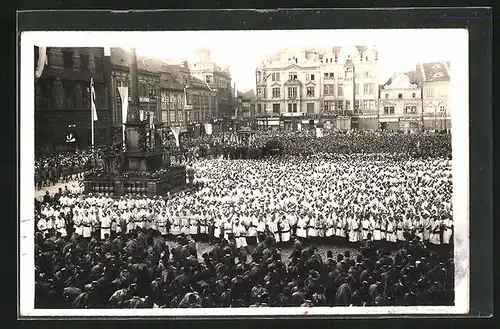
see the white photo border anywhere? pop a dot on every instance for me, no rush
(459, 100)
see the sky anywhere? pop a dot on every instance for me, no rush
(243, 51)
(399, 50)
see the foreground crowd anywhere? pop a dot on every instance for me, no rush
(95, 251)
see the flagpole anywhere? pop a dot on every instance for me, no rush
(91, 113)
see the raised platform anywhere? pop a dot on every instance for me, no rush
(169, 180)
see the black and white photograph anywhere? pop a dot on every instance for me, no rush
(244, 173)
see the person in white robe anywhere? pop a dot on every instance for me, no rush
(366, 229)
(105, 226)
(61, 226)
(447, 231)
(302, 227)
(42, 226)
(193, 225)
(285, 229)
(261, 227)
(390, 231)
(400, 230)
(87, 225)
(435, 235)
(162, 223)
(77, 223)
(240, 233)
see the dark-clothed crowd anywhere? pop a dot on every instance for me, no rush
(63, 166)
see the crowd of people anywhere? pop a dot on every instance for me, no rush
(65, 166)
(395, 208)
(258, 143)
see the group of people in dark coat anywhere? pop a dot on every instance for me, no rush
(141, 270)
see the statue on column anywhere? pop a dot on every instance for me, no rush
(57, 93)
(91, 61)
(76, 61)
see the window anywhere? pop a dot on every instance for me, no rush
(259, 108)
(208, 79)
(276, 93)
(292, 76)
(413, 95)
(388, 109)
(442, 108)
(366, 74)
(329, 106)
(400, 95)
(173, 117)
(276, 108)
(356, 105)
(265, 92)
(329, 90)
(84, 62)
(339, 105)
(368, 88)
(292, 92)
(386, 96)
(310, 77)
(410, 109)
(336, 57)
(259, 92)
(164, 116)
(331, 75)
(275, 76)
(326, 74)
(340, 91)
(348, 105)
(310, 91)
(430, 92)
(259, 76)
(356, 89)
(310, 107)
(356, 75)
(67, 59)
(294, 107)
(369, 104)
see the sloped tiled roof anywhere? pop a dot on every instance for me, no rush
(122, 57)
(411, 74)
(433, 71)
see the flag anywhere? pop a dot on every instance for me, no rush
(92, 100)
(124, 96)
(42, 61)
(151, 119)
(208, 128)
(141, 115)
(176, 131)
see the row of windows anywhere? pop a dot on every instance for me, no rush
(329, 90)
(70, 95)
(400, 95)
(309, 76)
(178, 116)
(368, 105)
(143, 90)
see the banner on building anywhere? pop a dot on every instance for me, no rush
(176, 131)
(208, 128)
(42, 61)
(124, 97)
(151, 119)
(319, 132)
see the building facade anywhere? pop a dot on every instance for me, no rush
(400, 106)
(205, 69)
(434, 79)
(62, 98)
(148, 85)
(301, 84)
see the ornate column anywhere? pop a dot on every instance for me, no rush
(76, 61)
(57, 93)
(91, 61)
(79, 96)
(55, 57)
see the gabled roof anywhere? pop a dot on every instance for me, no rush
(433, 71)
(122, 57)
(411, 74)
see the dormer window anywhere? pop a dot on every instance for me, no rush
(386, 96)
(413, 95)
